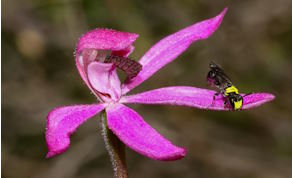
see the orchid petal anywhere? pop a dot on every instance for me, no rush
(131, 129)
(193, 97)
(256, 99)
(104, 78)
(107, 39)
(63, 121)
(119, 43)
(172, 46)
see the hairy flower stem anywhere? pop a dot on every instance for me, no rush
(115, 148)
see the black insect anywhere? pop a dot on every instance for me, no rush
(129, 66)
(216, 77)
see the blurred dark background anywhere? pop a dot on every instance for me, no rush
(253, 45)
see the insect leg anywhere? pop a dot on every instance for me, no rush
(214, 98)
(225, 103)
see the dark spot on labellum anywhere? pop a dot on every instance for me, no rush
(129, 66)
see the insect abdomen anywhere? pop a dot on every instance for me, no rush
(231, 89)
(129, 66)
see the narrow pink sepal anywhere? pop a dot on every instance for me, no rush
(193, 97)
(63, 121)
(132, 130)
(167, 49)
(120, 43)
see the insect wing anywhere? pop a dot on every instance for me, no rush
(220, 77)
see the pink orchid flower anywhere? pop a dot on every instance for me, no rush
(102, 79)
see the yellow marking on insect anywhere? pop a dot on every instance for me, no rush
(231, 89)
(237, 105)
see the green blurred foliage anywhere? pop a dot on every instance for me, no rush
(253, 45)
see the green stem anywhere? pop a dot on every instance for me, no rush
(115, 148)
